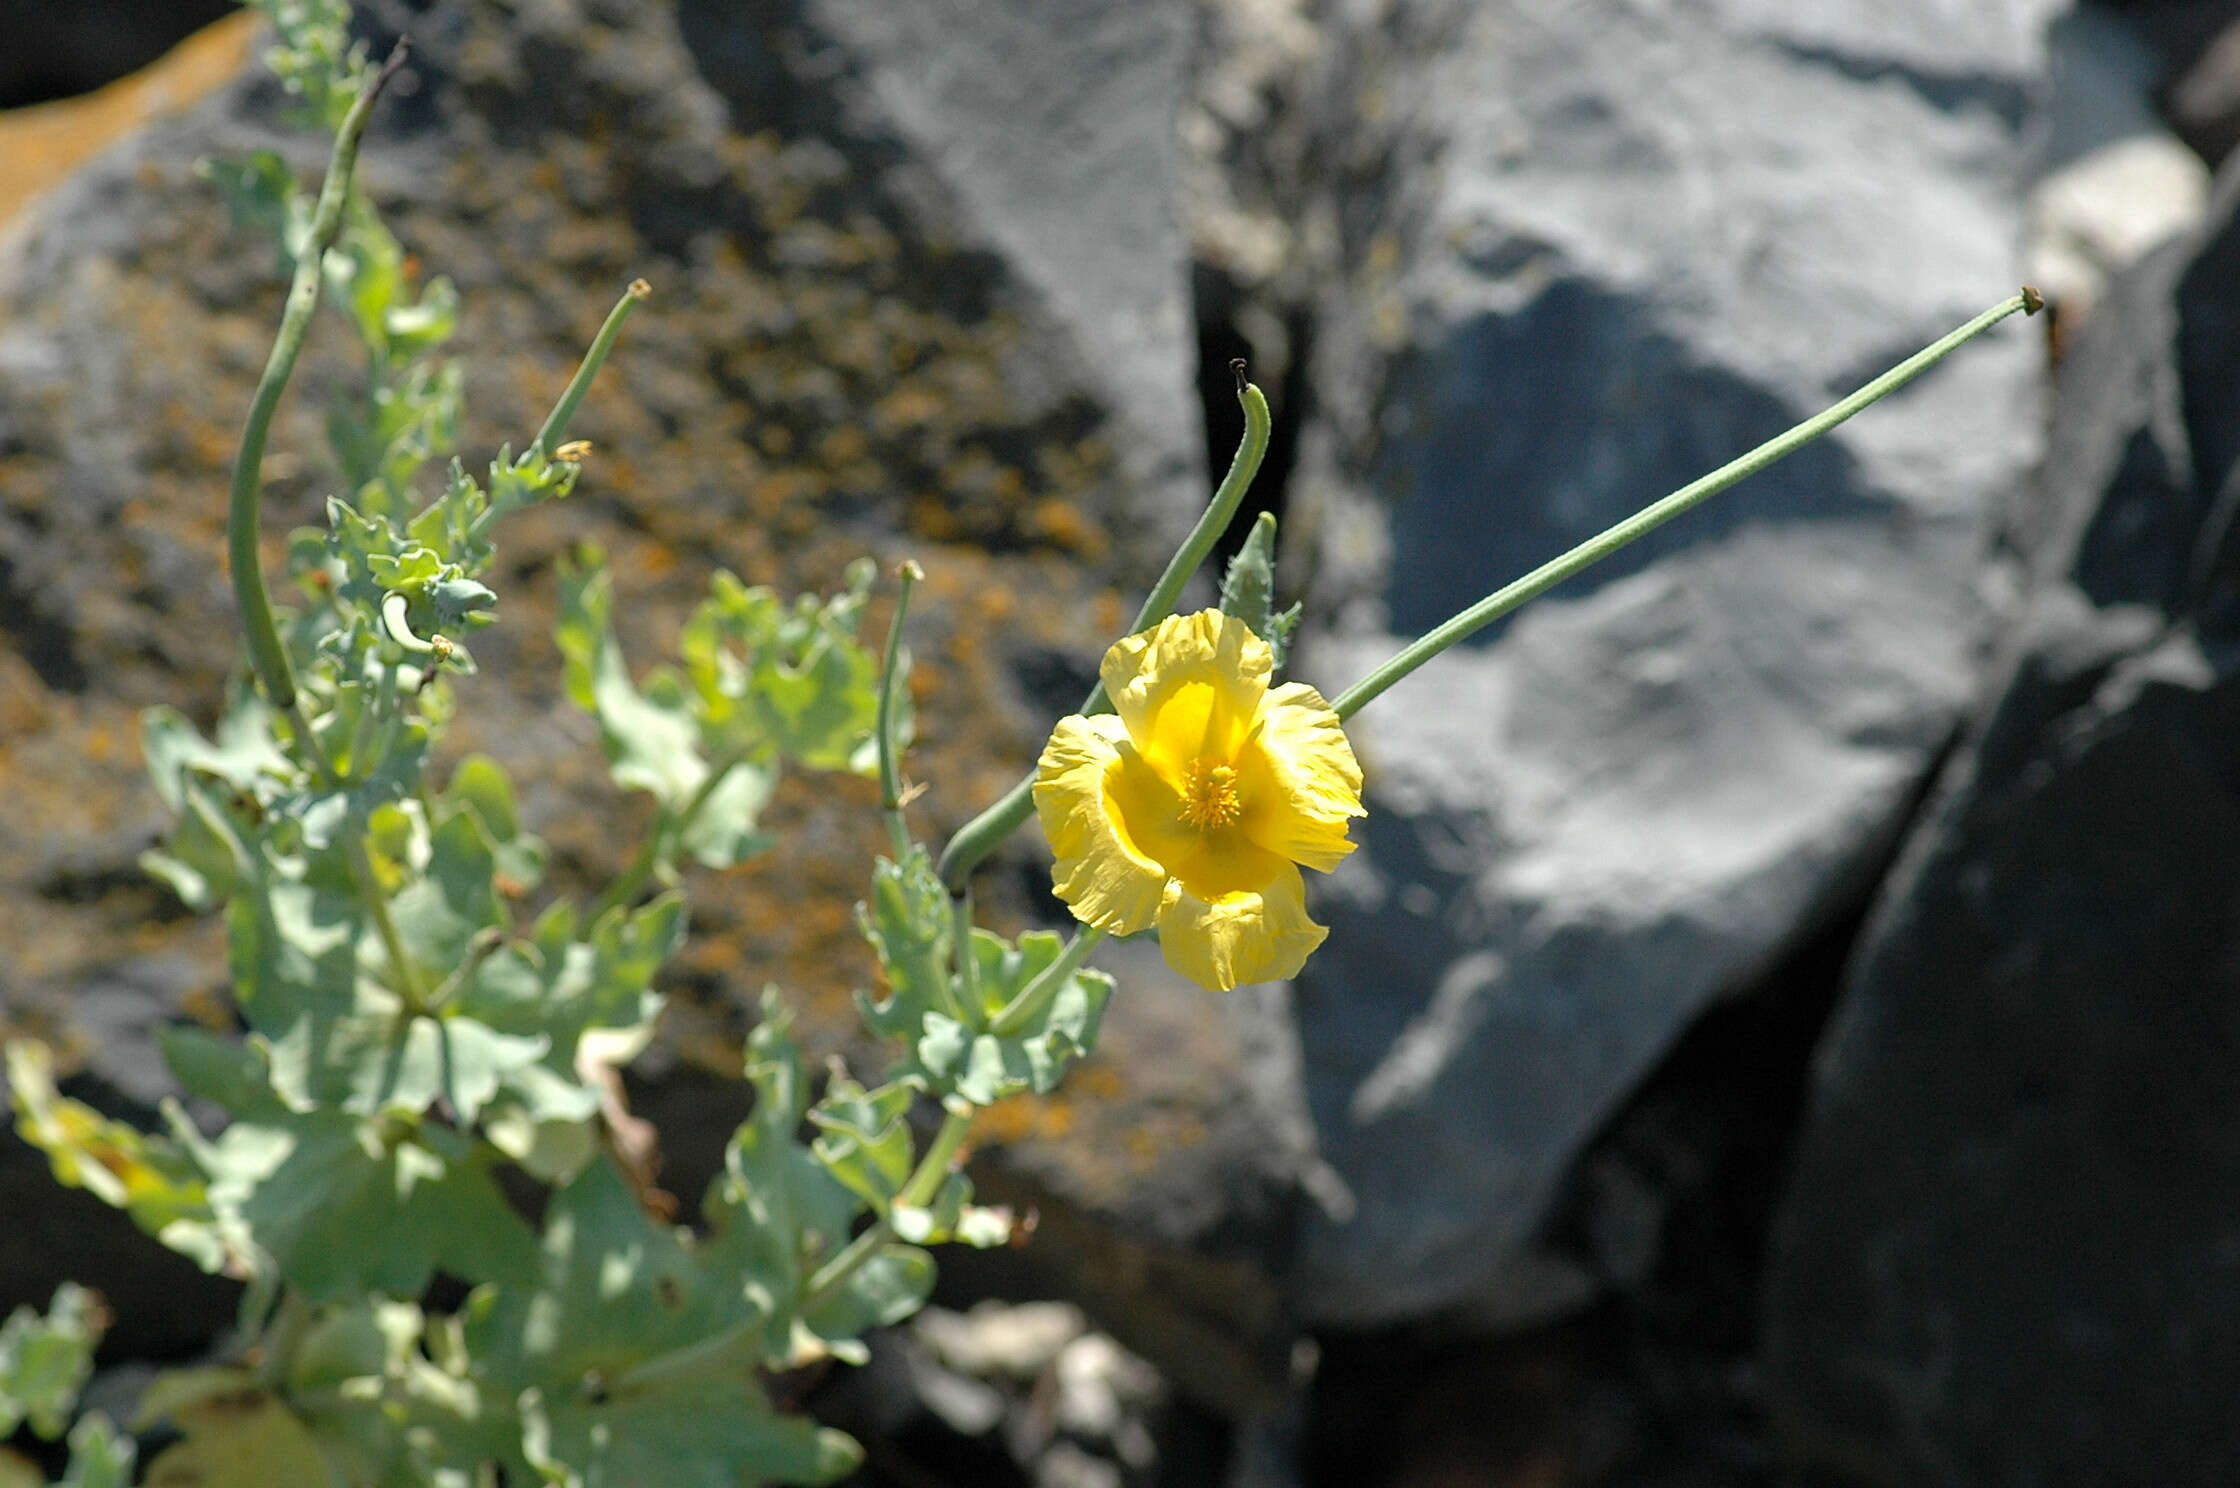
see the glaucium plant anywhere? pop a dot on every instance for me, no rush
(412, 1030)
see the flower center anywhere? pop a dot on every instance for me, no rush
(1209, 797)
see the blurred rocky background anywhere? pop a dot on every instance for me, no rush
(1783, 1023)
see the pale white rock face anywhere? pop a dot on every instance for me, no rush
(1627, 242)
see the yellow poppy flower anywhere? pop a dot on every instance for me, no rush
(1193, 803)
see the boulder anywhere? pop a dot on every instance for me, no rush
(2009, 1254)
(1589, 253)
(919, 290)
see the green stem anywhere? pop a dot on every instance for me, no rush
(556, 426)
(1649, 518)
(404, 976)
(890, 751)
(916, 1192)
(668, 828)
(933, 1168)
(371, 713)
(969, 1010)
(987, 831)
(631, 882)
(1021, 1011)
(266, 652)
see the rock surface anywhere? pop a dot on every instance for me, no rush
(1591, 254)
(2010, 1254)
(896, 311)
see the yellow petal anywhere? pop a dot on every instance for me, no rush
(1226, 862)
(1149, 808)
(1101, 873)
(1298, 779)
(1240, 938)
(1189, 687)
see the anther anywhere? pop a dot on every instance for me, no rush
(1210, 799)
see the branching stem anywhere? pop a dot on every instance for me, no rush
(266, 652)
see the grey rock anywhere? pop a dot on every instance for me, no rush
(1591, 253)
(2010, 1253)
(1053, 125)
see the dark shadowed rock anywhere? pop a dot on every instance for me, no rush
(54, 51)
(2011, 1254)
(1589, 254)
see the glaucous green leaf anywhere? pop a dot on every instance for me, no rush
(634, 1361)
(452, 900)
(651, 745)
(100, 1455)
(712, 1428)
(910, 925)
(560, 986)
(884, 1290)
(815, 691)
(235, 1433)
(723, 833)
(480, 784)
(315, 58)
(46, 1361)
(953, 1057)
(228, 1071)
(347, 1206)
(863, 1138)
(1249, 590)
(775, 1214)
(147, 1176)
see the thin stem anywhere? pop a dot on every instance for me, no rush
(1212, 522)
(371, 713)
(933, 1168)
(969, 1010)
(403, 974)
(987, 831)
(1037, 995)
(668, 829)
(1649, 518)
(916, 1192)
(632, 881)
(556, 426)
(266, 652)
(890, 748)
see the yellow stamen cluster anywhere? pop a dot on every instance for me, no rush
(1210, 798)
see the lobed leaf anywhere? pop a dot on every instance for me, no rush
(148, 1177)
(46, 1361)
(346, 1206)
(954, 1057)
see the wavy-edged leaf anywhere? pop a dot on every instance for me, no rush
(149, 1177)
(45, 1361)
(955, 1058)
(345, 1206)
